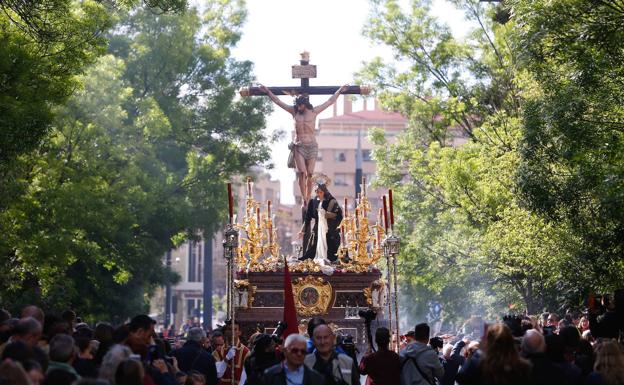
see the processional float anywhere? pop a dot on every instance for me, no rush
(255, 266)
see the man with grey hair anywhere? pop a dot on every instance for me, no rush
(544, 372)
(292, 370)
(193, 356)
(336, 368)
(111, 361)
(533, 343)
(62, 353)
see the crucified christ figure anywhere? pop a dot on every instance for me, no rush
(306, 148)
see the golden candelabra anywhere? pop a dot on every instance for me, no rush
(259, 251)
(361, 243)
(259, 246)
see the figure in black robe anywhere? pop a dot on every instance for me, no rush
(333, 214)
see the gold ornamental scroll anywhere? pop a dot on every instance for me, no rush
(312, 295)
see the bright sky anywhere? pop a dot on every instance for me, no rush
(276, 32)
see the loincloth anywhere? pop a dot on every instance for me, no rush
(309, 151)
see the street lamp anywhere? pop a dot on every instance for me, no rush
(391, 247)
(230, 242)
(230, 246)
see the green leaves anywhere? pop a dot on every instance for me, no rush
(469, 231)
(136, 161)
(43, 46)
(571, 166)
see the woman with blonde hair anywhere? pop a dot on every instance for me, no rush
(609, 365)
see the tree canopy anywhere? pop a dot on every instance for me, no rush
(136, 159)
(478, 237)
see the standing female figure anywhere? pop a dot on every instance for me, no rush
(324, 239)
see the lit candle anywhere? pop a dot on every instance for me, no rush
(269, 209)
(346, 210)
(385, 213)
(391, 209)
(248, 186)
(363, 186)
(258, 216)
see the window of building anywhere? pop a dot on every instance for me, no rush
(367, 155)
(342, 180)
(190, 306)
(193, 307)
(340, 156)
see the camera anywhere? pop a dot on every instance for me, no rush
(368, 315)
(346, 343)
(436, 343)
(279, 330)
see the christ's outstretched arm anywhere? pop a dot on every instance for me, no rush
(277, 100)
(318, 109)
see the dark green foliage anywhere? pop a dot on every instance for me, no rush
(472, 240)
(572, 166)
(135, 159)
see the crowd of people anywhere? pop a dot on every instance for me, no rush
(576, 349)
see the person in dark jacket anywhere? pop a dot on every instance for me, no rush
(555, 350)
(452, 362)
(420, 363)
(544, 371)
(383, 367)
(261, 358)
(611, 323)
(292, 370)
(192, 356)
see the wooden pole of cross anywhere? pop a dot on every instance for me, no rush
(304, 71)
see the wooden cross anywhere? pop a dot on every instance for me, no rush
(304, 71)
